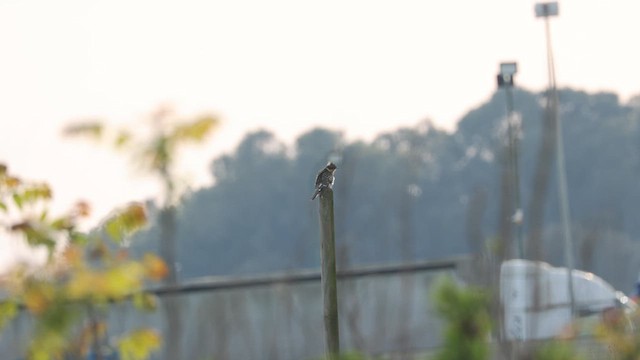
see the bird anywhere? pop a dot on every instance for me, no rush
(325, 179)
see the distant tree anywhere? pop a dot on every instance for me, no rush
(406, 194)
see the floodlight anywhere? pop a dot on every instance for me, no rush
(507, 71)
(547, 9)
(508, 68)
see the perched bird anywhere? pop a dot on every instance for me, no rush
(325, 179)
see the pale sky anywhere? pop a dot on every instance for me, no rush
(360, 66)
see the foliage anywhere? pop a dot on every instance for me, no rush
(8, 310)
(467, 321)
(138, 345)
(82, 272)
(156, 153)
(619, 332)
(556, 350)
(351, 356)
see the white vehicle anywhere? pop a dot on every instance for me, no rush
(528, 318)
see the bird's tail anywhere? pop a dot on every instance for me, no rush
(316, 193)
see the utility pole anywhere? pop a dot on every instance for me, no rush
(506, 81)
(547, 10)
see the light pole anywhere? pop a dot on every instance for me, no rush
(506, 81)
(547, 10)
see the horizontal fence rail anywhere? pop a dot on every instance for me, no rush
(214, 283)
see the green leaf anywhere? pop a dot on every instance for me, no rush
(8, 310)
(126, 221)
(43, 192)
(112, 228)
(78, 237)
(37, 237)
(145, 301)
(123, 139)
(47, 345)
(3, 207)
(17, 199)
(36, 192)
(62, 223)
(92, 129)
(157, 154)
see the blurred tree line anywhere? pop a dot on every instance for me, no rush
(417, 193)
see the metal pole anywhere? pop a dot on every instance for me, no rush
(563, 197)
(515, 173)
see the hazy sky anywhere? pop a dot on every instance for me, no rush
(361, 66)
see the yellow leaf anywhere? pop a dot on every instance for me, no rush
(39, 192)
(38, 296)
(112, 227)
(135, 216)
(155, 267)
(123, 139)
(12, 182)
(195, 131)
(83, 284)
(73, 255)
(46, 346)
(123, 280)
(139, 344)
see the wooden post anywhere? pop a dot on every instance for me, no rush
(328, 275)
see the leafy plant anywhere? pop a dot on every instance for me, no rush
(467, 321)
(156, 154)
(83, 272)
(152, 151)
(618, 331)
(556, 350)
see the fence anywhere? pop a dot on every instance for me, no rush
(383, 309)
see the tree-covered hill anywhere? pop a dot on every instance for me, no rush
(418, 193)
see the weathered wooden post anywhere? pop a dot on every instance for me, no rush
(328, 274)
(324, 184)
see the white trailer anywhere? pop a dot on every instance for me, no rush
(536, 302)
